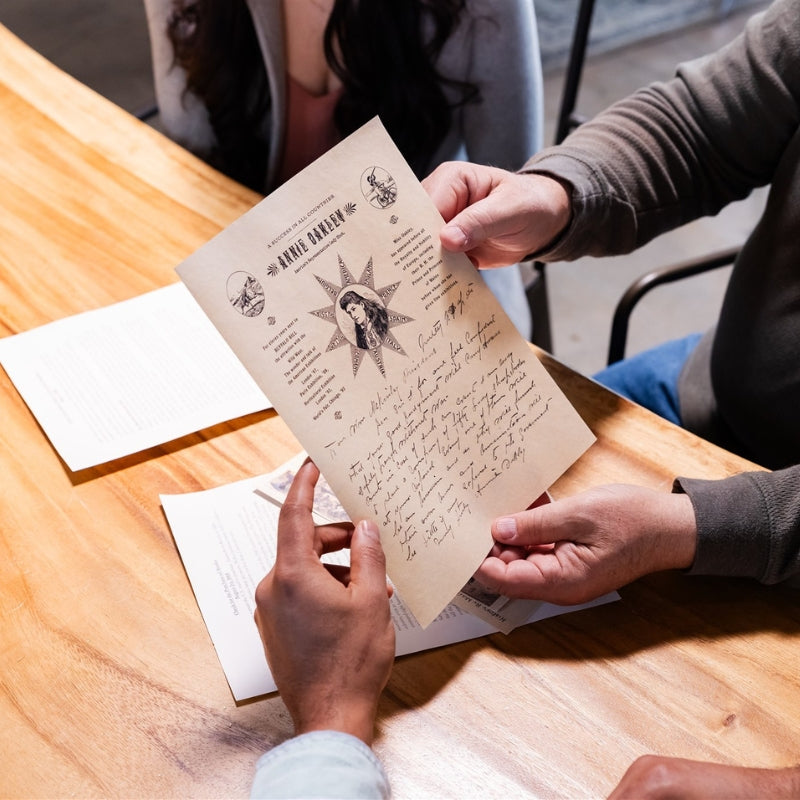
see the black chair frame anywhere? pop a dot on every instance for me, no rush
(568, 120)
(649, 281)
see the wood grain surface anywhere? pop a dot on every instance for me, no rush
(109, 684)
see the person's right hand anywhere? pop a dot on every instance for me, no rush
(327, 630)
(662, 778)
(581, 547)
(494, 216)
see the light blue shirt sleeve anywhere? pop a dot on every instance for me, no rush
(320, 764)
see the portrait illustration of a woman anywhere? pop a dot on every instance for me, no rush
(371, 322)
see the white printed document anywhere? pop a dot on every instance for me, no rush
(135, 374)
(227, 538)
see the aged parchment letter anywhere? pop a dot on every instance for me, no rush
(390, 360)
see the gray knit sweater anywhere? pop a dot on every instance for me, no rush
(679, 150)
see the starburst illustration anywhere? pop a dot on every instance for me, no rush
(362, 316)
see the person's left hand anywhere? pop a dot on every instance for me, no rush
(581, 547)
(662, 778)
(327, 630)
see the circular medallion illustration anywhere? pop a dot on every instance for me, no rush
(245, 294)
(378, 187)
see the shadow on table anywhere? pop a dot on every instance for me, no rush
(666, 608)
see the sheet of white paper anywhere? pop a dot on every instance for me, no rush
(119, 379)
(227, 538)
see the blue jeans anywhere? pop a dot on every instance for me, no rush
(650, 378)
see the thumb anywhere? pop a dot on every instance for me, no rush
(467, 230)
(367, 560)
(535, 526)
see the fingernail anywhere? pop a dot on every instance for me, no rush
(366, 527)
(505, 529)
(459, 237)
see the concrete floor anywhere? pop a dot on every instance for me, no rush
(104, 43)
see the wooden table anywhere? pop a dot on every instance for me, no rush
(110, 685)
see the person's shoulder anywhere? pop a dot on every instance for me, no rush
(501, 11)
(494, 24)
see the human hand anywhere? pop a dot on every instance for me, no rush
(494, 216)
(661, 778)
(327, 630)
(576, 549)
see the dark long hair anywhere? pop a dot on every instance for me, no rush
(375, 48)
